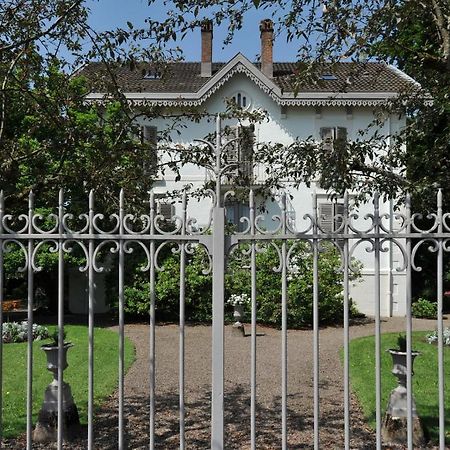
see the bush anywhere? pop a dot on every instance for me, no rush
(14, 332)
(424, 309)
(198, 295)
(300, 286)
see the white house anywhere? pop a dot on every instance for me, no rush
(338, 107)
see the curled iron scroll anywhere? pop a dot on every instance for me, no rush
(113, 249)
(434, 247)
(68, 247)
(53, 248)
(21, 218)
(7, 248)
(68, 217)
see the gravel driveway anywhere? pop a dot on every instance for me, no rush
(237, 390)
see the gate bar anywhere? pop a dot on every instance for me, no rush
(316, 324)
(152, 349)
(346, 330)
(253, 325)
(2, 211)
(283, 328)
(91, 325)
(60, 430)
(30, 280)
(121, 322)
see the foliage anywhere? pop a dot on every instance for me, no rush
(424, 309)
(432, 338)
(198, 296)
(299, 288)
(14, 332)
(54, 336)
(401, 343)
(106, 347)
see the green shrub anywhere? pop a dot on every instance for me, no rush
(198, 295)
(424, 309)
(300, 286)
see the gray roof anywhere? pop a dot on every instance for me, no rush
(184, 77)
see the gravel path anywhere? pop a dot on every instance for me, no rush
(237, 390)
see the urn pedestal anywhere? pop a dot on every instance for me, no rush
(46, 429)
(238, 314)
(394, 427)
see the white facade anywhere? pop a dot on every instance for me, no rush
(284, 124)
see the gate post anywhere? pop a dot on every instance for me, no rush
(218, 272)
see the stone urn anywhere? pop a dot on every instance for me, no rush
(238, 314)
(46, 429)
(394, 428)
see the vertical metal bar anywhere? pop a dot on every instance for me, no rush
(440, 325)
(152, 348)
(182, 324)
(346, 329)
(30, 281)
(121, 322)
(316, 324)
(409, 328)
(2, 213)
(91, 325)
(283, 328)
(376, 202)
(253, 325)
(218, 239)
(60, 321)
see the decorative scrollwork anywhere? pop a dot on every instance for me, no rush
(68, 247)
(82, 217)
(53, 248)
(7, 248)
(145, 220)
(128, 249)
(39, 217)
(114, 249)
(434, 247)
(9, 218)
(112, 217)
(395, 242)
(418, 216)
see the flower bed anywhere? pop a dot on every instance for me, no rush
(14, 332)
(432, 338)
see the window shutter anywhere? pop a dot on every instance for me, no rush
(166, 210)
(246, 143)
(341, 134)
(231, 150)
(326, 217)
(327, 134)
(150, 137)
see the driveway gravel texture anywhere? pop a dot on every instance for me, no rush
(237, 390)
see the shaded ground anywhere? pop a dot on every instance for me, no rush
(237, 390)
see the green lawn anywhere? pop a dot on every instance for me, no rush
(105, 374)
(425, 380)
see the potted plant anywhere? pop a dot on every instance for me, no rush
(395, 420)
(51, 350)
(238, 301)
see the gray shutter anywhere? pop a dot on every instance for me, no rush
(341, 134)
(327, 135)
(166, 209)
(326, 217)
(231, 150)
(150, 137)
(246, 143)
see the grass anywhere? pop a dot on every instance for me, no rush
(425, 380)
(105, 374)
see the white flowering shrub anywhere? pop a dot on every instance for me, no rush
(14, 332)
(238, 299)
(433, 337)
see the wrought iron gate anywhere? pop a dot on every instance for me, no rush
(26, 233)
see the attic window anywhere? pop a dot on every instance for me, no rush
(152, 75)
(328, 77)
(242, 100)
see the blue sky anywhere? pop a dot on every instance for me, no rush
(108, 14)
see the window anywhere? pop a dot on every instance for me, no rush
(152, 75)
(328, 77)
(240, 151)
(164, 207)
(242, 100)
(333, 137)
(149, 137)
(330, 216)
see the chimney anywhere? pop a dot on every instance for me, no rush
(207, 37)
(266, 28)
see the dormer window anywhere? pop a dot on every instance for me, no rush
(242, 100)
(152, 74)
(328, 77)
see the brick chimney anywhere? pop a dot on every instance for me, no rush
(207, 37)
(266, 28)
